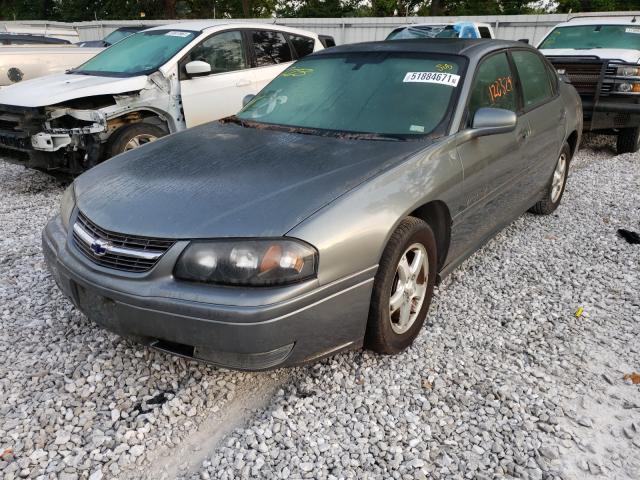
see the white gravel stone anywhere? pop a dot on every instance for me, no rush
(495, 386)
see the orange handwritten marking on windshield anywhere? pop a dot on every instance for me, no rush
(501, 87)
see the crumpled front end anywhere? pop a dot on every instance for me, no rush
(73, 136)
(53, 137)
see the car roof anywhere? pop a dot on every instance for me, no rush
(602, 20)
(200, 25)
(468, 47)
(439, 24)
(33, 37)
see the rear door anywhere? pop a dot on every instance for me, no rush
(272, 54)
(493, 163)
(220, 93)
(545, 112)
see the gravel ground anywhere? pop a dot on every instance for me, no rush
(504, 381)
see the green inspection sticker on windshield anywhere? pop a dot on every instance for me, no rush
(449, 79)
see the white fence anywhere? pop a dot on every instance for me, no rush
(358, 29)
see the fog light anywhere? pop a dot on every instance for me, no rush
(628, 87)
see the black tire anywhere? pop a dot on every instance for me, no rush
(628, 140)
(380, 335)
(122, 136)
(547, 204)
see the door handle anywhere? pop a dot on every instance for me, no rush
(563, 114)
(243, 83)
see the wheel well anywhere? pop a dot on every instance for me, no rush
(139, 116)
(573, 142)
(437, 215)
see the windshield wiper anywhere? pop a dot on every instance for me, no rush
(313, 131)
(369, 136)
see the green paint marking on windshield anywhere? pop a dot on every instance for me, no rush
(296, 72)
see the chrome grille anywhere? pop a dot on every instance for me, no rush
(129, 253)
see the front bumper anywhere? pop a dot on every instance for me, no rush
(240, 328)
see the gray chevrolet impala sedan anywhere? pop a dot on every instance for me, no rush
(320, 217)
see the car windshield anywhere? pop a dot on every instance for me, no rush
(594, 36)
(390, 94)
(420, 31)
(138, 54)
(117, 35)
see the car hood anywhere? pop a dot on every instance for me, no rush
(629, 56)
(61, 87)
(223, 180)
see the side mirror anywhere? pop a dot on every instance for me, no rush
(247, 99)
(491, 121)
(523, 40)
(197, 67)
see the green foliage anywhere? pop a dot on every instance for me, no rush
(82, 10)
(575, 6)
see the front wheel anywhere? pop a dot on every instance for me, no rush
(403, 287)
(628, 140)
(133, 136)
(555, 188)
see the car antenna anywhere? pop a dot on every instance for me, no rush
(633, 20)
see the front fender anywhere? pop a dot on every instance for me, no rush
(351, 232)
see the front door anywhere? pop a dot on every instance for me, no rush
(219, 94)
(491, 164)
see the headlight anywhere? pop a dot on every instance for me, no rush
(628, 71)
(67, 204)
(261, 262)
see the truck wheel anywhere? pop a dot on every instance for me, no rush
(133, 136)
(402, 288)
(628, 140)
(555, 188)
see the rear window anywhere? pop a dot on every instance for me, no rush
(270, 48)
(484, 32)
(302, 45)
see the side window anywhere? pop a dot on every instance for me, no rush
(270, 48)
(493, 86)
(302, 45)
(484, 32)
(223, 51)
(534, 77)
(553, 78)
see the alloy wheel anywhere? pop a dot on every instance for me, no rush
(558, 178)
(139, 140)
(409, 288)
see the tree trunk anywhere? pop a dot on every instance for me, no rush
(170, 9)
(434, 10)
(246, 8)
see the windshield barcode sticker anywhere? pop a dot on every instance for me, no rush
(632, 30)
(174, 33)
(432, 77)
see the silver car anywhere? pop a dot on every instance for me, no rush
(321, 216)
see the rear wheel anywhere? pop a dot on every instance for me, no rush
(403, 287)
(628, 140)
(555, 188)
(133, 136)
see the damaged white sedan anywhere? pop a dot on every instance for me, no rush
(153, 83)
